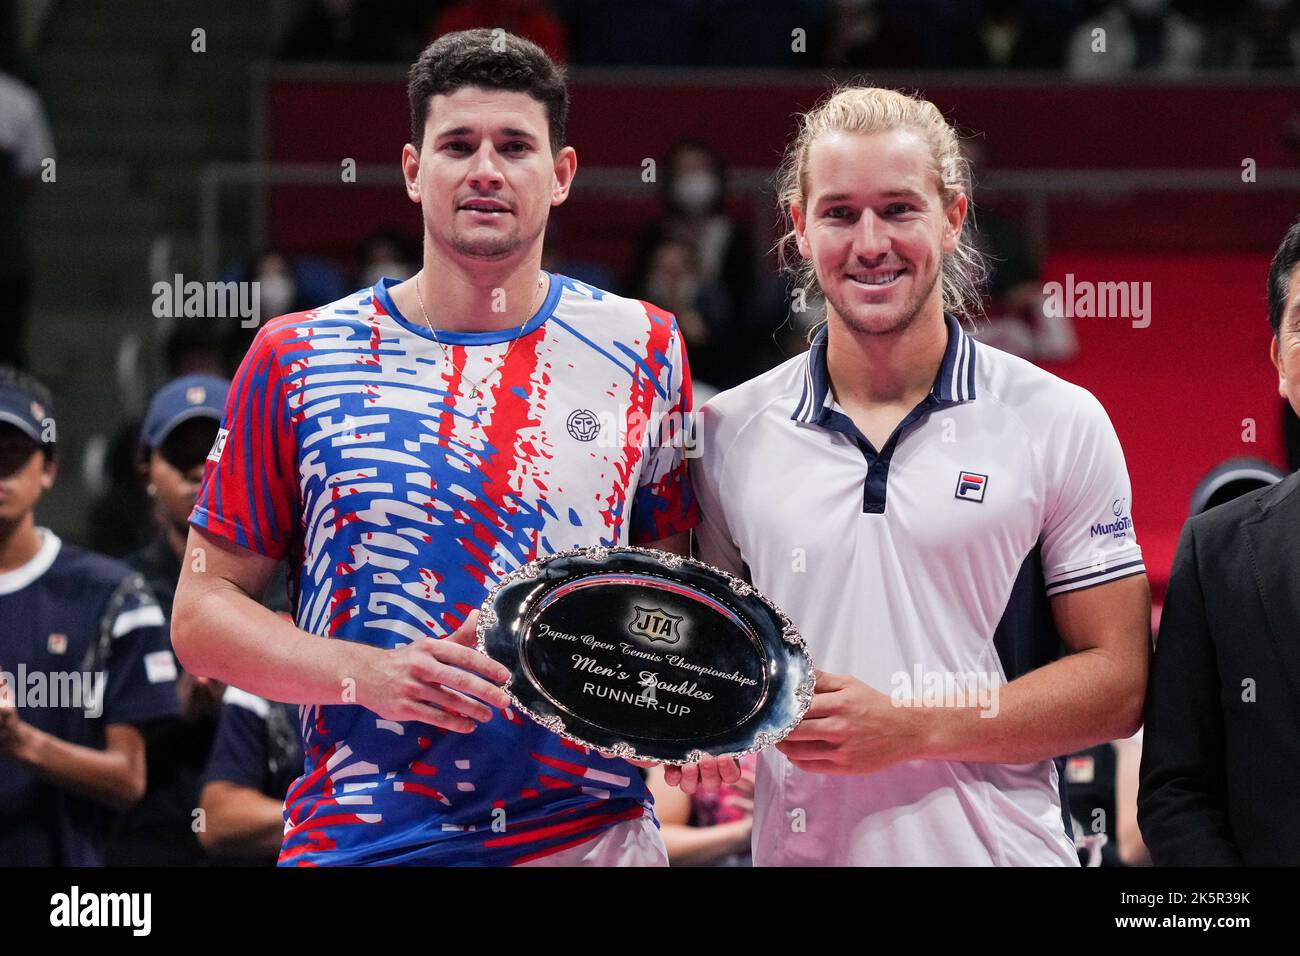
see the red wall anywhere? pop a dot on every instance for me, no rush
(1179, 390)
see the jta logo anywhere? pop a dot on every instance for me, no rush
(656, 624)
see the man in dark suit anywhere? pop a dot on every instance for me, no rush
(1220, 779)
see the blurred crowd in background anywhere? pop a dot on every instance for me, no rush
(1155, 36)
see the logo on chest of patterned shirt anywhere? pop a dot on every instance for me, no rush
(583, 424)
(971, 486)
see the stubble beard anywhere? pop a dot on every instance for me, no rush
(492, 247)
(907, 315)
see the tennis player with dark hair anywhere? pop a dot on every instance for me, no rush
(406, 447)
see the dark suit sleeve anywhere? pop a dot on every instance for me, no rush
(1182, 809)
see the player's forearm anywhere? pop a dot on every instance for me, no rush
(1069, 705)
(220, 632)
(240, 821)
(109, 777)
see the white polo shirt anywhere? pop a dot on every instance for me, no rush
(920, 568)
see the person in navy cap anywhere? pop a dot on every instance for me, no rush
(179, 429)
(85, 664)
(178, 432)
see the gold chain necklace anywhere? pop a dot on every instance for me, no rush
(477, 385)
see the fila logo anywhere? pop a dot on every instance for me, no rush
(970, 486)
(1080, 770)
(219, 445)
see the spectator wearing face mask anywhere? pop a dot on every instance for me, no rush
(277, 294)
(284, 285)
(277, 283)
(693, 183)
(703, 313)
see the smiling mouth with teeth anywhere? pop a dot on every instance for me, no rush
(880, 278)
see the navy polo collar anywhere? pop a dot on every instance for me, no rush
(955, 382)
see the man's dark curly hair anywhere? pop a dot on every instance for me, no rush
(491, 60)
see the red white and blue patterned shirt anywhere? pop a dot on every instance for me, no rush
(354, 447)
